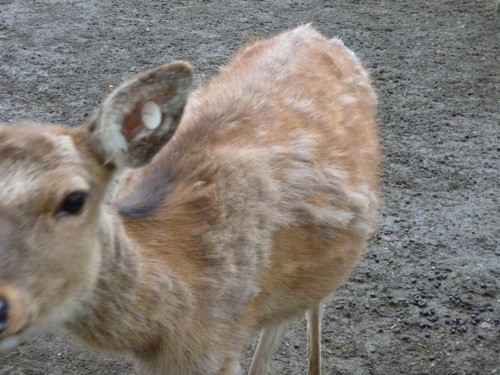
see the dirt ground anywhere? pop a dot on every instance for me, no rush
(425, 299)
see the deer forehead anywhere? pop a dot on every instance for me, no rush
(28, 162)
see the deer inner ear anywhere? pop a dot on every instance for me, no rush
(144, 115)
(132, 122)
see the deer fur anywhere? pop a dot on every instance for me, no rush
(247, 205)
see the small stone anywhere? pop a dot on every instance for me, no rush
(485, 326)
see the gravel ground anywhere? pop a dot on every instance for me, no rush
(425, 299)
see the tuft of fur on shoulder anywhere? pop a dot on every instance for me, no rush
(251, 39)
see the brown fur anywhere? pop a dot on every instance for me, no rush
(253, 213)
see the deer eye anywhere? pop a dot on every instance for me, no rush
(72, 204)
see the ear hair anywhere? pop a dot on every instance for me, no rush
(141, 115)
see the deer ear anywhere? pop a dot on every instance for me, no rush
(141, 115)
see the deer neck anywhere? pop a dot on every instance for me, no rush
(135, 296)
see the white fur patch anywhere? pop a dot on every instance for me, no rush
(337, 41)
(65, 146)
(115, 146)
(343, 206)
(347, 99)
(108, 136)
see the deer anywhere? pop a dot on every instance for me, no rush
(239, 207)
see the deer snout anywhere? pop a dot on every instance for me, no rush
(4, 310)
(16, 311)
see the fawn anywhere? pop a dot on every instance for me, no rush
(247, 203)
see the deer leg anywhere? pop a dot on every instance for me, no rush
(269, 341)
(314, 340)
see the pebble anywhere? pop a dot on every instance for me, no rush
(485, 325)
